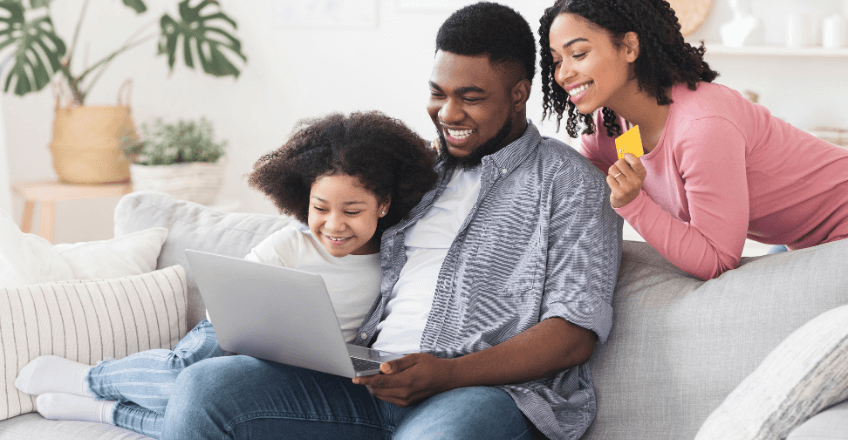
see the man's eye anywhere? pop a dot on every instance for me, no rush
(472, 99)
(435, 94)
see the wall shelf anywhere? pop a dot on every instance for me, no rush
(779, 51)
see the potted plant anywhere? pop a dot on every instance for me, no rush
(85, 138)
(180, 158)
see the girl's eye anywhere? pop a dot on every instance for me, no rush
(352, 212)
(319, 209)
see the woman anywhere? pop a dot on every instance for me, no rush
(716, 168)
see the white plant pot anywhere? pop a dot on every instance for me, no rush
(198, 182)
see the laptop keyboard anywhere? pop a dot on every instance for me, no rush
(364, 364)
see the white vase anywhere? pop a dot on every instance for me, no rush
(198, 182)
(744, 25)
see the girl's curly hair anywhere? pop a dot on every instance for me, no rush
(387, 158)
(665, 59)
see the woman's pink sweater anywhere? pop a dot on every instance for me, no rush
(726, 169)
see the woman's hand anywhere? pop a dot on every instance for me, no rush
(625, 178)
(435, 145)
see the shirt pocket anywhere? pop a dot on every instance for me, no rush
(509, 264)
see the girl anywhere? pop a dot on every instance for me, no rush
(716, 168)
(348, 179)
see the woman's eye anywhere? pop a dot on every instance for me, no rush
(577, 56)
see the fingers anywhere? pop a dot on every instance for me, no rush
(625, 178)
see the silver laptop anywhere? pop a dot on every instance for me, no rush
(278, 314)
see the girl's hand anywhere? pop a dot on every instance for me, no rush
(625, 178)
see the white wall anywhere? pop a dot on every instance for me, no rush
(5, 190)
(296, 73)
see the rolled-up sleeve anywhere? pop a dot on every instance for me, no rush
(584, 251)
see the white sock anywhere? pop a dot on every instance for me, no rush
(52, 374)
(60, 406)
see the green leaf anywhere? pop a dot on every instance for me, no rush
(38, 50)
(202, 36)
(137, 5)
(35, 4)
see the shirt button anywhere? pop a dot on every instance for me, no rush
(503, 171)
(363, 335)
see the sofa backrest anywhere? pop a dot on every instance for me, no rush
(193, 226)
(680, 345)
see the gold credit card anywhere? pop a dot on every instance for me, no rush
(629, 142)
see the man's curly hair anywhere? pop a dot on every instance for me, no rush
(387, 158)
(665, 59)
(490, 29)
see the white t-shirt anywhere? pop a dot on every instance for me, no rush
(427, 244)
(353, 281)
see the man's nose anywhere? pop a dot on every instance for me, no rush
(451, 112)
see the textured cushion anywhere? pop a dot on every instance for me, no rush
(830, 424)
(680, 345)
(34, 427)
(193, 226)
(806, 373)
(86, 322)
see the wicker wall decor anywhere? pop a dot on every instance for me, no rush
(691, 14)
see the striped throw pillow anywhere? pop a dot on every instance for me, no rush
(86, 321)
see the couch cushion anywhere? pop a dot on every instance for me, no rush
(680, 345)
(830, 424)
(805, 374)
(86, 321)
(193, 226)
(34, 427)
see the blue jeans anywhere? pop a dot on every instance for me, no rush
(247, 398)
(141, 383)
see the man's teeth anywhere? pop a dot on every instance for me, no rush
(578, 90)
(459, 134)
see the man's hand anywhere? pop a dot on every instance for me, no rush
(625, 178)
(409, 380)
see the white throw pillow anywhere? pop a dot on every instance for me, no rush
(28, 258)
(86, 321)
(803, 375)
(131, 254)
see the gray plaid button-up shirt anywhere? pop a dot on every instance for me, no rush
(540, 242)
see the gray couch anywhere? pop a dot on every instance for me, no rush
(678, 345)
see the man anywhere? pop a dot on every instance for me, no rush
(499, 282)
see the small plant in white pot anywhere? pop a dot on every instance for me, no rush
(180, 158)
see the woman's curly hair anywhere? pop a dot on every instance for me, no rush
(665, 59)
(387, 158)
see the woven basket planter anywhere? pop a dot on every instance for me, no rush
(198, 182)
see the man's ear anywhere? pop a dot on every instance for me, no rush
(631, 46)
(520, 94)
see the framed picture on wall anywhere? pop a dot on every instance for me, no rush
(323, 13)
(431, 5)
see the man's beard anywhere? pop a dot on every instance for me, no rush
(473, 159)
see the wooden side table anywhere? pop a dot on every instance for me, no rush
(47, 193)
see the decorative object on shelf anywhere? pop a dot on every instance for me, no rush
(40, 54)
(834, 30)
(691, 14)
(744, 25)
(834, 135)
(181, 158)
(86, 139)
(798, 30)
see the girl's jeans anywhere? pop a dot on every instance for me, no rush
(141, 383)
(240, 397)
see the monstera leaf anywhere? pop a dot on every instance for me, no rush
(202, 36)
(38, 50)
(137, 5)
